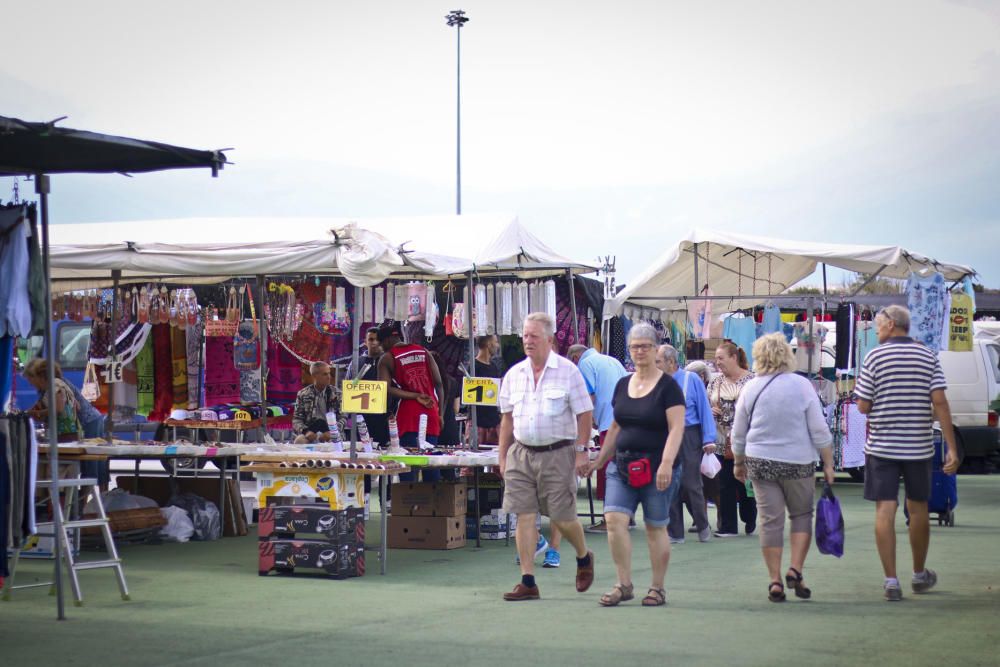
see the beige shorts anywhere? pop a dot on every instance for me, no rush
(541, 482)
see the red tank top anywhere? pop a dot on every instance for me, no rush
(413, 373)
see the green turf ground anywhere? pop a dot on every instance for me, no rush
(204, 604)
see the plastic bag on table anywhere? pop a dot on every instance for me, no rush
(179, 527)
(829, 524)
(203, 513)
(710, 465)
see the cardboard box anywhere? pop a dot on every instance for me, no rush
(325, 485)
(491, 527)
(490, 498)
(426, 532)
(430, 499)
(346, 526)
(338, 560)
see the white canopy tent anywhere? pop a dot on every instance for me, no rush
(364, 251)
(755, 267)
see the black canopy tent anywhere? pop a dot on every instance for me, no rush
(40, 149)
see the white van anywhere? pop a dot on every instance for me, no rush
(973, 384)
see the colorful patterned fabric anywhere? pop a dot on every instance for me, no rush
(925, 297)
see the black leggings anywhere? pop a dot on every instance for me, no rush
(732, 498)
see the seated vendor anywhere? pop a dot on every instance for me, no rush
(67, 423)
(311, 405)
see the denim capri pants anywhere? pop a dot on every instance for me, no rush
(622, 497)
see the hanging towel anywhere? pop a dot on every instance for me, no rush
(163, 391)
(144, 379)
(960, 338)
(178, 357)
(925, 298)
(194, 338)
(284, 374)
(222, 380)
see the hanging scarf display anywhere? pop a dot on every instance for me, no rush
(163, 392)
(402, 307)
(366, 305)
(178, 356)
(431, 317)
(379, 314)
(144, 379)
(522, 306)
(459, 323)
(549, 290)
(700, 314)
(126, 395)
(479, 312)
(390, 301)
(284, 373)
(222, 380)
(193, 335)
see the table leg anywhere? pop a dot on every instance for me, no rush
(136, 476)
(383, 492)
(479, 526)
(222, 494)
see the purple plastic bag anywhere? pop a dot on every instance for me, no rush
(829, 524)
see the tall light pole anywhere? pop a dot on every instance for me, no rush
(457, 18)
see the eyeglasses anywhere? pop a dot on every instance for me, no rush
(641, 347)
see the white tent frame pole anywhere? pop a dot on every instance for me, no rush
(870, 280)
(473, 421)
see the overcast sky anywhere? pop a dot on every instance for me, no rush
(607, 127)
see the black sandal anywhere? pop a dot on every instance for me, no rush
(776, 596)
(794, 581)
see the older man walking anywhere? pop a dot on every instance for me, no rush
(901, 388)
(544, 427)
(699, 439)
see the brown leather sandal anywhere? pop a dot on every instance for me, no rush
(655, 597)
(620, 593)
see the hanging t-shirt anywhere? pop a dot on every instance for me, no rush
(845, 337)
(867, 340)
(805, 343)
(413, 373)
(743, 332)
(925, 297)
(771, 319)
(960, 335)
(700, 312)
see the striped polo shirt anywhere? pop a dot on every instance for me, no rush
(898, 377)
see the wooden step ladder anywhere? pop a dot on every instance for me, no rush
(70, 538)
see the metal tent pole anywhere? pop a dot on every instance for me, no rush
(42, 189)
(355, 361)
(116, 277)
(811, 350)
(696, 288)
(473, 423)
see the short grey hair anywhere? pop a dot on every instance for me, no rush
(669, 353)
(644, 331)
(548, 324)
(316, 366)
(898, 315)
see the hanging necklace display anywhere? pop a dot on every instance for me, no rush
(491, 312)
(246, 344)
(134, 300)
(479, 314)
(57, 307)
(154, 305)
(401, 306)
(379, 313)
(430, 318)
(192, 308)
(390, 301)
(521, 305)
(504, 304)
(142, 309)
(366, 305)
(549, 289)
(164, 305)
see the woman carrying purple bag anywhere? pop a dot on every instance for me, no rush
(778, 430)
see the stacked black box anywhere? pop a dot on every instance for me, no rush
(338, 548)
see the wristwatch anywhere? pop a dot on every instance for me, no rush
(581, 448)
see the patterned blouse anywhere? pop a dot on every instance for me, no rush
(723, 393)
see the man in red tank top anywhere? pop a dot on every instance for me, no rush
(417, 384)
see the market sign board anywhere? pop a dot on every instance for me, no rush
(364, 396)
(480, 391)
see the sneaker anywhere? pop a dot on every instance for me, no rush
(924, 583)
(693, 529)
(751, 531)
(705, 535)
(540, 547)
(677, 540)
(599, 527)
(893, 593)
(551, 558)
(719, 533)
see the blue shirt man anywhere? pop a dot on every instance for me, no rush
(699, 439)
(601, 373)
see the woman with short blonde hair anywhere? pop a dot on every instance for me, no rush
(778, 433)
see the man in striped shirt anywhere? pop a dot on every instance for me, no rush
(901, 389)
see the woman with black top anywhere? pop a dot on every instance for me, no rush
(487, 416)
(643, 439)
